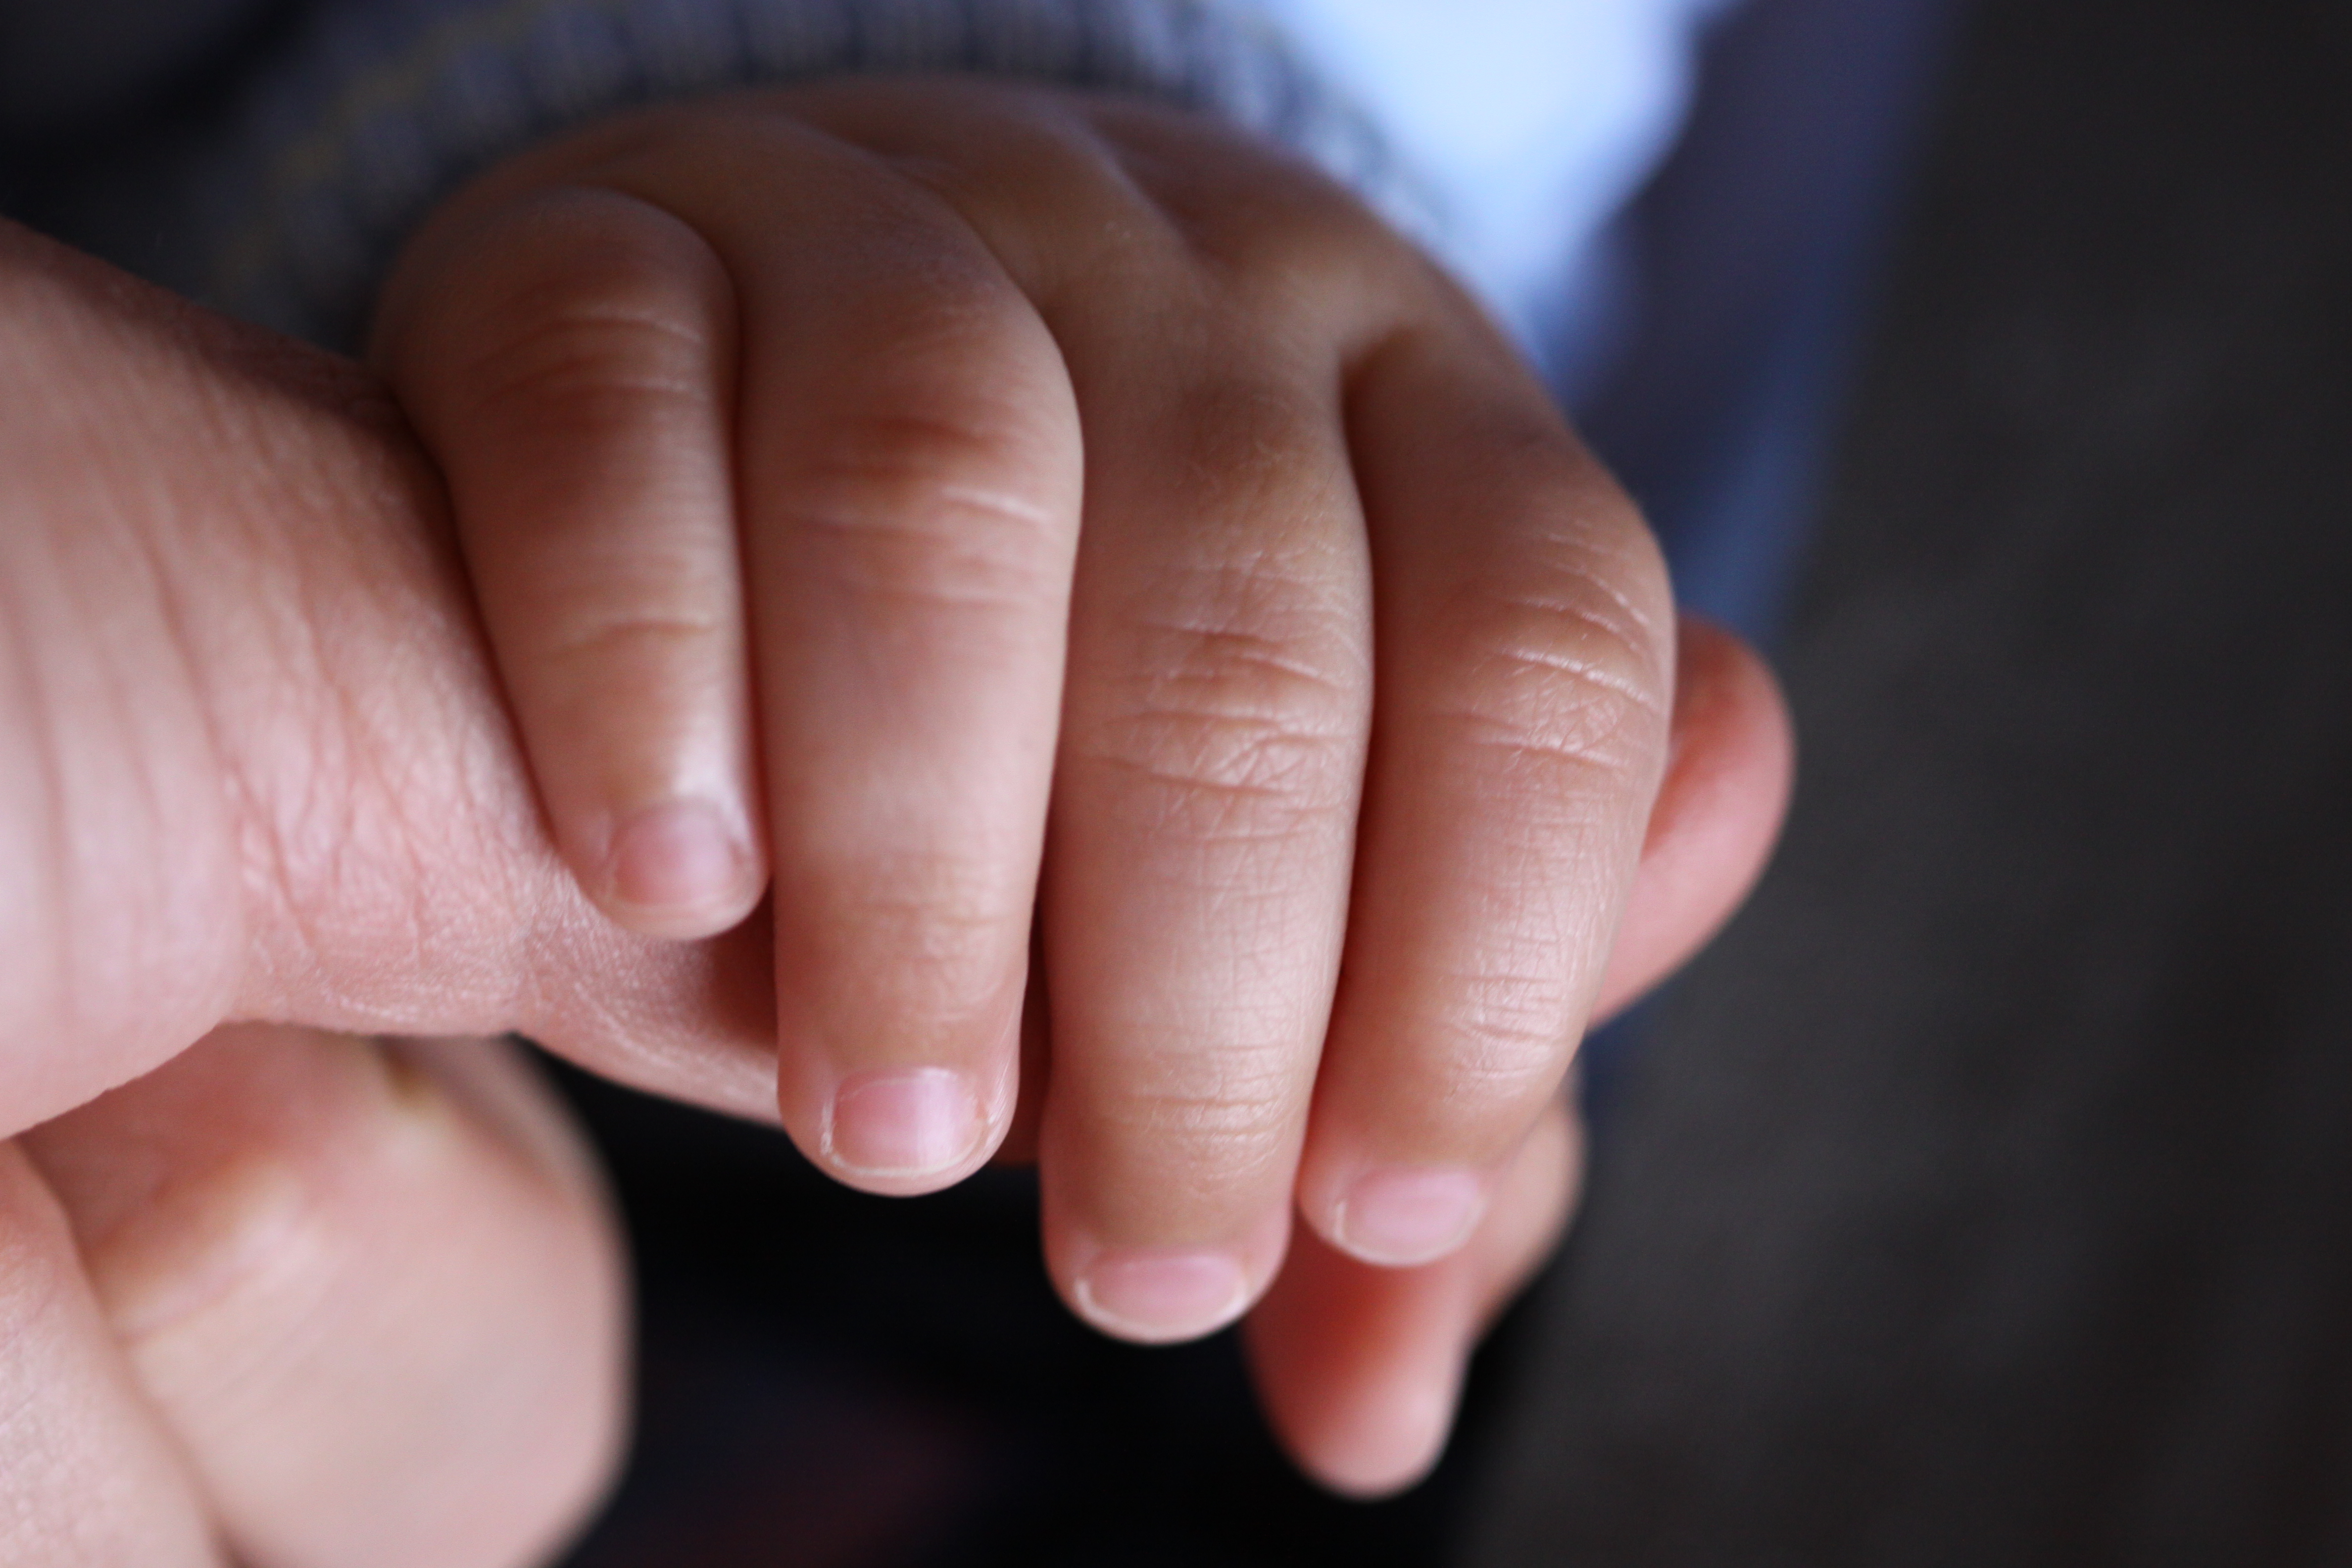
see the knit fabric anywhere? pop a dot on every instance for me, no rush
(379, 108)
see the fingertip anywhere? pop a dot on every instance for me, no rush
(1731, 725)
(899, 1131)
(910, 1129)
(1161, 1296)
(1156, 1292)
(1730, 770)
(1360, 1367)
(1391, 1447)
(1403, 1217)
(680, 869)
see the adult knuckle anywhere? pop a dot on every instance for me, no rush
(268, 1233)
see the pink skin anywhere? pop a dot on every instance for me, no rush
(265, 774)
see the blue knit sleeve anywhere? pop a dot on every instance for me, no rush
(378, 109)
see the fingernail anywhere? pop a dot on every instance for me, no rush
(1161, 1296)
(908, 1124)
(679, 855)
(1407, 1214)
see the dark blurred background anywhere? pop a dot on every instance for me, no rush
(1985, 1195)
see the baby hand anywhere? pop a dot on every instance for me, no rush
(1128, 600)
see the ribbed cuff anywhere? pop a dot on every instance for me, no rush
(379, 110)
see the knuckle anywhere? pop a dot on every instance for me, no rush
(344, 1273)
(1239, 731)
(584, 367)
(1293, 256)
(593, 333)
(945, 509)
(1260, 451)
(1507, 1034)
(631, 635)
(1277, 235)
(1243, 688)
(1569, 672)
(269, 1231)
(927, 939)
(1226, 1115)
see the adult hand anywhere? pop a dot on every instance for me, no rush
(296, 1301)
(287, 1298)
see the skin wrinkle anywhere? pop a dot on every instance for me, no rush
(265, 1225)
(451, 938)
(1250, 1052)
(1217, 655)
(1229, 1140)
(308, 854)
(229, 798)
(83, 1000)
(1289, 786)
(49, 939)
(1228, 752)
(926, 532)
(446, 948)
(1641, 617)
(565, 371)
(942, 584)
(26, 1418)
(733, 1071)
(1221, 676)
(258, 840)
(649, 629)
(1562, 763)
(31, 1284)
(1633, 676)
(1496, 1062)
